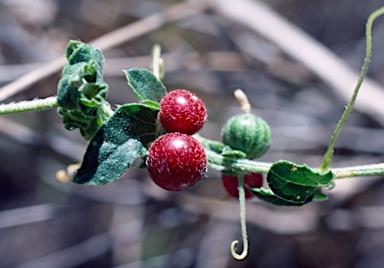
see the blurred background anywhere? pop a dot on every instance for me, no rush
(210, 48)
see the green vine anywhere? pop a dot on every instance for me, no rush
(118, 137)
(221, 163)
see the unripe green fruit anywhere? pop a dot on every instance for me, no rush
(248, 133)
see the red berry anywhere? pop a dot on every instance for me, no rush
(231, 184)
(176, 161)
(181, 111)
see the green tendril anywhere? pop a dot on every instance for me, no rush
(243, 223)
(330, 150)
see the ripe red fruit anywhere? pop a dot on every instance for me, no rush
(231, 184)
(182, 111)
(176, 161)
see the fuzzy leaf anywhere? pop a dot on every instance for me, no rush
(117, 143)
(81, 90)
(145, 85)
(78, 51)
(296, 184)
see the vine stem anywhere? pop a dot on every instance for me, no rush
(44, 104)
(223, 163)
(242, 222)
(368, 33)
(28, 106)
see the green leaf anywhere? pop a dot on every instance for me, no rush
(78, 82)
(73, 119)
(145, 85)
(296, 184)
(81, 90)
(319, 195)
(78, 51)
(268, 196)
(117, 143)
(153, 104)
(81, 98)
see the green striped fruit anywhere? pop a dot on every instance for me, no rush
(248, 133)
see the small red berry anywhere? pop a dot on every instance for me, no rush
(231, 184)
(182, 111)
(176, 161)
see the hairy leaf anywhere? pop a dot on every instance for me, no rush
(78, 51)
(117, 143)
(145, 85)
(81, 90)
(296, 184)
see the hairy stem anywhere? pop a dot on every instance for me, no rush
(330, 150)
(223, 163)
(28, 106)
(359, 171)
